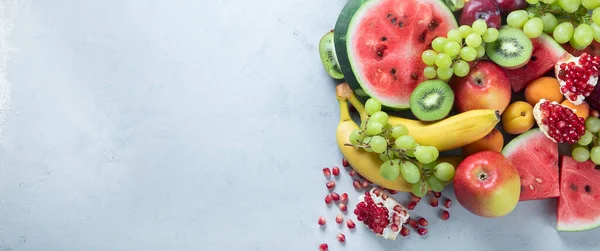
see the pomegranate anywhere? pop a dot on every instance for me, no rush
(381, 213)
(577, 76)
(558, 122)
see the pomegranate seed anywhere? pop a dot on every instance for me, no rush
(413, 223)
(385, 196)
(335, 170)
(422, 231)
(447, 203)
(323, 247)
(328, 199)
(398, 208)
(377, 192)
(341, 237)
(395, 228)
(335, 196)
(356, 184)
(350, 224)
(330, 184)
(339, 219)
(343, 207)
(434, 202)
(414, 198)
(393, 191)
(322, 221)
(345, 162)
(445, 215)
(365, 184)
(411, 205)
(344, 197)
(405, 231)
(326, 172)
(352, 173)
(437, 194)
(423, 222)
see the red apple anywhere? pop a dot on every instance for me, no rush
(487, 184)
(485, 87)
(486, 10)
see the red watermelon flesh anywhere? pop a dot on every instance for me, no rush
(546, 52)
(536, 158)
(579, 201)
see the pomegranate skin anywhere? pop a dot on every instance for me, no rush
(594, 98)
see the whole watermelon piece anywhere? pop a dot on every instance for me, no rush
(379, 44)
(579, 201)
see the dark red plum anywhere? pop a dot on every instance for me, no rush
(506, 6)
(486, 10)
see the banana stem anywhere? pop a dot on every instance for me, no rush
(359, 107)
(344, 112)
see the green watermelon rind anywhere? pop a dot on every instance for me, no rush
(344, 23)
(514, 144)
(577, 226)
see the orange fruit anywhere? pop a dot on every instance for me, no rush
(494, 141)
(518, 118)
(543, 88)
(582, 110)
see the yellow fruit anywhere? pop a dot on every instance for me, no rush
(582, 110)
(518, 118)
(543, 88)
(494, 141)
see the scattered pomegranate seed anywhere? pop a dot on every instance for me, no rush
(330, 184)
(448, 203)
(352, 173)
(345, 162)
(594, 113)
(437, 194)
(350, 224)
(356, 184)
(411, 205)
(335, 196)
(413, 223)
(328, 199)
(423, 222)
(405, 231)
(326, 172)
(335, 170)
(339, 219)
(365, 184)
(445, 215)
(341, 237)
(343, 207)
(414, 198)
(323, 247)
(322, 221)
(344, 197)
(393, 191)
(434, 202)
(422, 231)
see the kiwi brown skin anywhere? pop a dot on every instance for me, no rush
(432, 100)
(328, 56)
(510, 38)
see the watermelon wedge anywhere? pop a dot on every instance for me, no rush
(379, 45)
(579, 201)
(546, 52)
(536, 158)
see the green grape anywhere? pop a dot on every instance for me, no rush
(390, 170)
(580, 154)
(452, 48)
(443, 60)
(424, 154)
(374, 127)
(355, 137)
(429, 166)
(595, 155)
(490, 35)
(473, 40)
(430, 72)
(590, 4)
(583, 35)
(445, 73)
(420, 188)
(479, 26)
(569, 6)
(410, 172)
(435, 152)
(468, 54)
(454, 35)
(550, 22)
(461, 68)
(405, 142)
(438, 44)
(586, 138)
(380, 117)
(517, 18)
(435, 184)
(548, 2)
(480, 51)
(372, 106)
(409, 153)
(563, 32)
(444, 171)
(533, 27)
(592, 124)
(532, 1)
(465, 30)
(399, 130)
(596, 30)
(384, 156)
(428, 57)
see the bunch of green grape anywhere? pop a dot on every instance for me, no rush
(400, 154)
(588, 146)
(568, 21)
(450, 54)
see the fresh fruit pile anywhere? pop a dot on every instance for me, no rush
(438, 82)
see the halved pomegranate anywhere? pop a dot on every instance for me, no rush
(558, 122)
(577, 76)
(381, 213)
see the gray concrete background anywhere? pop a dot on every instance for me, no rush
(193, 125)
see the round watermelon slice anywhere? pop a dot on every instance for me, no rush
(536, 158)
(579, 201)
(379, 45)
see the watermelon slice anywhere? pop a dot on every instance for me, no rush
(379, 45)
(579, 201)
(546, 52)
(536, 158)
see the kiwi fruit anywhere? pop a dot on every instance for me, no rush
(328, 57)
(432, 100)
(513, 49)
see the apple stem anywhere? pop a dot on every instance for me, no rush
(483, 176)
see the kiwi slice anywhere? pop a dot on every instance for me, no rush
(328, 57)
(512, 50)
(432, 100)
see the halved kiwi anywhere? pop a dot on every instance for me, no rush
(328, 57)
(432, 100)
(512, 50)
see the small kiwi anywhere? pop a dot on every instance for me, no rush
(512, 50)
(432, 100)
(328, 57)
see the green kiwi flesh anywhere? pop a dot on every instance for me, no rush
(328, 57)
(513, 49)
(432, 100)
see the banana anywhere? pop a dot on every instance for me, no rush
(365, 163)
(447, 134)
